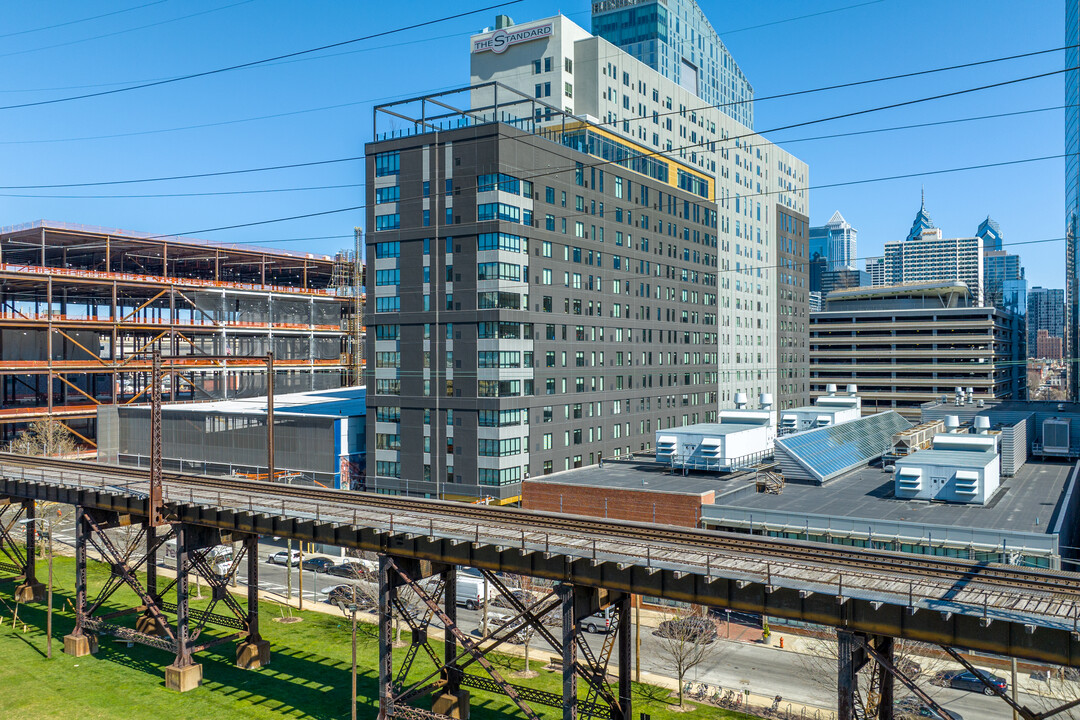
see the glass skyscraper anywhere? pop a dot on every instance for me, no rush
(1072, 195)
(676, 39)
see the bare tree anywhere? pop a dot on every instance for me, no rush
(44, 437)
(687, 638)
(920, 662)
(1057, 686)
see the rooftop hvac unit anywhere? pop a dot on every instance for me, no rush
(1056, 436)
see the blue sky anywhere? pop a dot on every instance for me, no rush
(148, 40)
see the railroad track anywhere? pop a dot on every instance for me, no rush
(1057, 583)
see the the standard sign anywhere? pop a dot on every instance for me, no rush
(498, 41)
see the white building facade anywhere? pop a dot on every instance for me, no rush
(931, 257)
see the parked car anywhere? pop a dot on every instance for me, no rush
(692, 629)
(599, 622)
(969, 681)
(349, 570)
(318, 564)
(281, 557)
(344, 596)
(523, 596)
(912, 708)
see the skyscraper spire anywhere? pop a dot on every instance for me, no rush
(922, 220)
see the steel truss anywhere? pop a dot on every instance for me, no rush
(182, 638)
(12, 558)
(438, 601)
(1021, 710)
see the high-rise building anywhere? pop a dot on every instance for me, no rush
(530, 310)
(932, 257)
(875, 268)
(675, 38)
(911, 344)
(641, 116)
(1004, 283)
(922, 222)
(1072, 196)
(990, 232)
(1045, 311)
(836, 242)
(1047, 347)
(792, 278)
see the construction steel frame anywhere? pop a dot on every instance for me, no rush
(101, 299)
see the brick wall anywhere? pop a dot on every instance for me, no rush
(615, 503)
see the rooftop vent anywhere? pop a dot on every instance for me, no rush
(982, 425)
(952, 423)
(503, 21)
(852, 389)
(766, 401)
(740, 401)
(831, 389)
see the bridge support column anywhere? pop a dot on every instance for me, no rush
(79, 643)
(386, 640)
(569, 626)
(452, 701)
(884, 646)
(30, 590)
(146, 622)
(622, 607)
(850, 656)
(184, 674)
(253, 652)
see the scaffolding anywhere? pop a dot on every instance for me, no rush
(81, 307)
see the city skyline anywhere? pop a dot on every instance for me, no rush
(879, 210)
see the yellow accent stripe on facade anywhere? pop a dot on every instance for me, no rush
(673, 165)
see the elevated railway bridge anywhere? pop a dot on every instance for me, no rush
(871, 597)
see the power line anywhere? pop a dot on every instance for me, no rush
(80, 20)
(556, 171)
(123, 32)
(800, 17)
(253, 63)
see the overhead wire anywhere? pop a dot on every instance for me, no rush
(661, 153)
(68, 23)
(263, 61)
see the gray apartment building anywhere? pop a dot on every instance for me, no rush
(531, 308)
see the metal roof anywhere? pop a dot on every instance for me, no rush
(829, 451)
(978, 458)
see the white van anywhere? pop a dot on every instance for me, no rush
(471, 592)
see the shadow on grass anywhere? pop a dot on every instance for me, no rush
(652, 694)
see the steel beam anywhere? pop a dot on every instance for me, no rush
(884, 647)
(386, 641)
(451, 672)
(622, 609)
(566, 594)
(850, 657)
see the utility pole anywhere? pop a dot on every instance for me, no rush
(300, 574)
(353, 703)
(48, 620)
(637, 640)
(288, 570)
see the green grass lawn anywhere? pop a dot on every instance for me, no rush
(309, 675)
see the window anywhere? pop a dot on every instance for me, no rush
(388, 277)
(501, 241)
(388, 222)
(568, 88)
(498, 301)
(384, 468)
(388, 414)
(498, 271)
(387, 163)
(388, 359)
(506, 476)
(387, 194)
(498, 448)
(387, 386)
(549, 222)
(498, 211)
(388, 249)
(498, 359)
(387, 332)
(388, 304)
(545, 249)
(569, 65)
(499, 418)
(387, 441)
